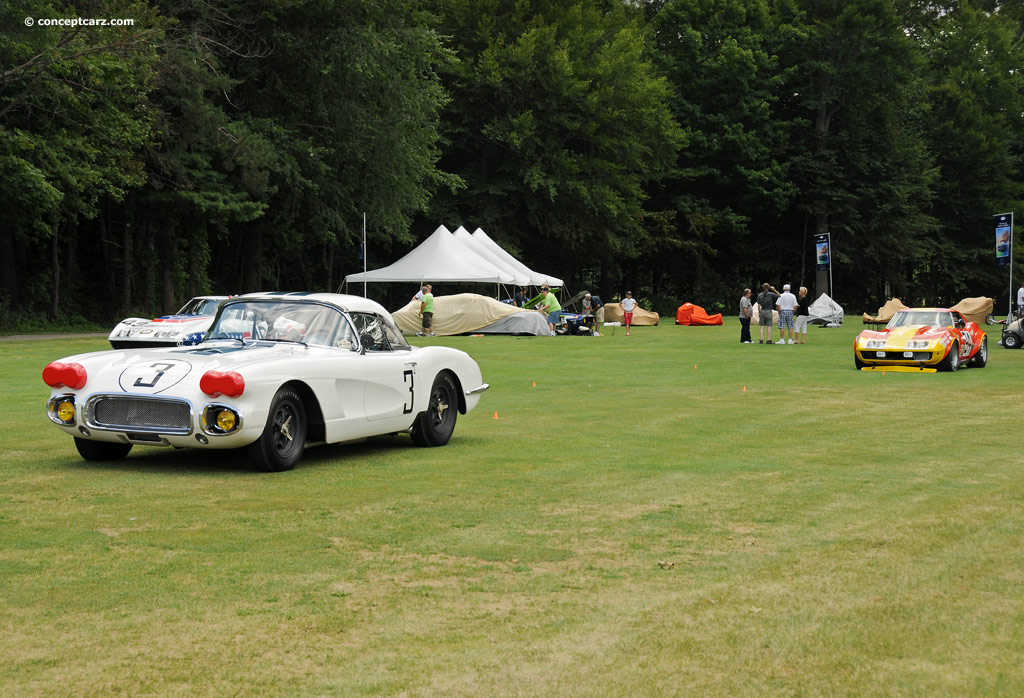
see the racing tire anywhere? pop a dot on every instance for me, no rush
(434, 426)
(1011, 341)
(952, 360)
(280, 445)
(981, 358)
(101, 450)
(858, 364)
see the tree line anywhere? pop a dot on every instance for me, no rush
(683, 149)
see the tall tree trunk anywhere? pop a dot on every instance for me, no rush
(329, 264)
(71, 257)
(55, 270)
(128, 267)
(150, 294)
(108, 255)
(252, 257)
(167, 295)
(126, 270)
(8, 268)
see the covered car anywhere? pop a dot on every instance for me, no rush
(976, 309)
(471, 313)
(825, 311)
(885, 313)
(274, 372)
(922, 338)
(187, 326)
(694, 315)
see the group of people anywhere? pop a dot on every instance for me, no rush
(793, 314)
(593, 306)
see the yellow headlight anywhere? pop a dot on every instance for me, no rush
(66, 411)
(226, 420)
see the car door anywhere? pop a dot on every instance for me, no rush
(391, 385)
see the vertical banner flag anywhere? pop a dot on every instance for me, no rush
(1004, 238)
(821, 253)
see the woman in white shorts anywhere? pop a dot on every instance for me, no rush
(802, 315)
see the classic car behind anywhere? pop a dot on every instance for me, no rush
(187, 326)
(923, 339)
(275, 371)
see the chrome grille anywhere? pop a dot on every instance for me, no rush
(123, 413)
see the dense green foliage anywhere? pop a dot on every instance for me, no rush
(682, 148)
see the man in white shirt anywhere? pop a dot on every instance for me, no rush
(785, 305)
(1020, 300)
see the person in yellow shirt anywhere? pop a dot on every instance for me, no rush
(427, 312)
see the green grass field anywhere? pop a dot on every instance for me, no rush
(668, 514)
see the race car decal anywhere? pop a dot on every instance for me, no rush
(966, 343)
(153, 376)
(182, 318)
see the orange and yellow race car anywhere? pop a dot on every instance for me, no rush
(922, 339)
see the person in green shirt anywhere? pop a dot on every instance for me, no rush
(427, 311)
(551, 307)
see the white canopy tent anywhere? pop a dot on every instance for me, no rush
(519, 277)
(536, 279)
(441, 257)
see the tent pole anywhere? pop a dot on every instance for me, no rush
(364, 254)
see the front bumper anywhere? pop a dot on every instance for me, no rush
(155, 421)
(896, 356)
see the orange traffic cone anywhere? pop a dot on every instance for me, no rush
(495, 415)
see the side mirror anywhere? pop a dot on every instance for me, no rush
(366, 342)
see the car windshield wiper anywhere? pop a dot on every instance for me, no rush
(290, 341)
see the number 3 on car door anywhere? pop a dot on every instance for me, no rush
(409, 377)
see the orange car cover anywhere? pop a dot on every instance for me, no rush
(690, 314)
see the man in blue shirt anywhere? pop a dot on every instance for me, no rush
(597, 307)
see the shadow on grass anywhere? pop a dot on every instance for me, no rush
(195, 461)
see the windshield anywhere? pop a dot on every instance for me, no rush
(920, 318)
(200, 306)
(285, 321)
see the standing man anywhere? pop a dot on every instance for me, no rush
(427, 311)
(786, 305)
(628, 305)
(521, 298)
(551, 307)
(766, 302)
(597, 305)
(1020, 301)
(746, 312)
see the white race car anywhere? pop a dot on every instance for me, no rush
(187, 326)
(276, 371)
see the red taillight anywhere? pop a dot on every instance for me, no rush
(72, 375)
(215, 383)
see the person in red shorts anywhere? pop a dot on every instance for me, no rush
(628, 304)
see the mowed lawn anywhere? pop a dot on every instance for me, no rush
(668, 514)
